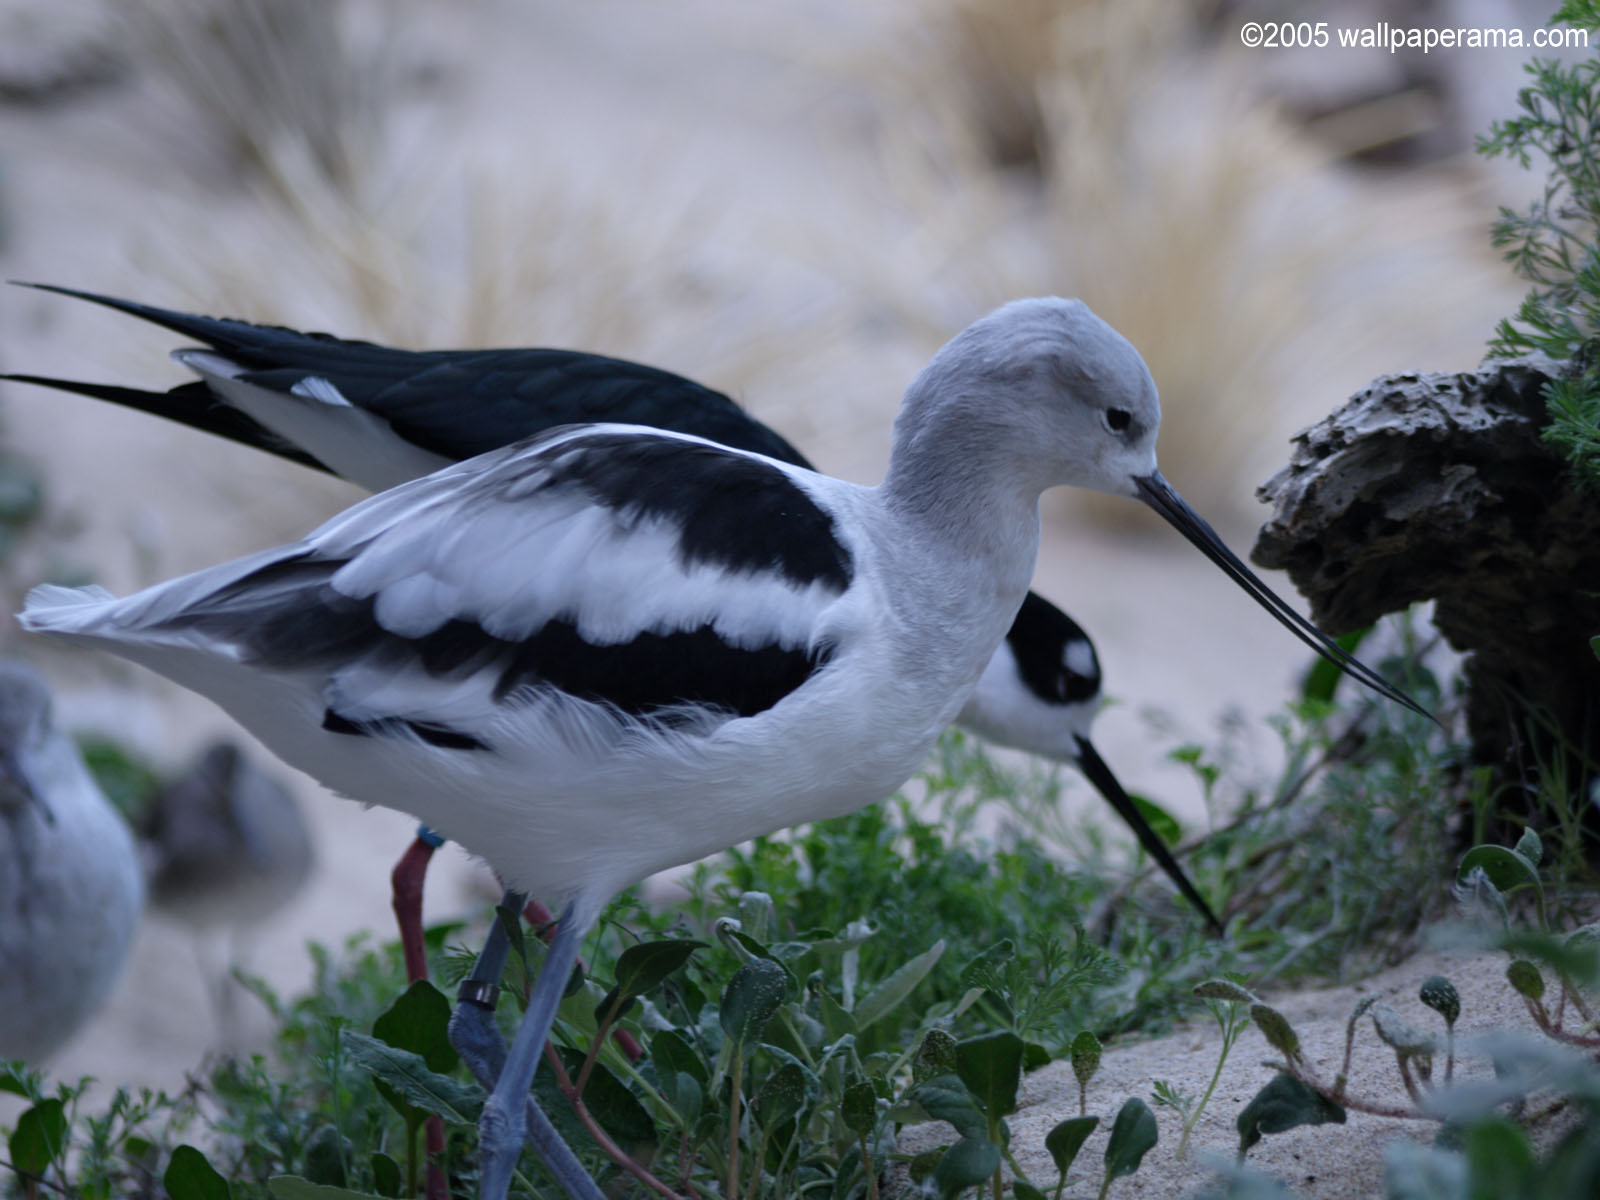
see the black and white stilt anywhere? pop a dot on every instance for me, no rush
(379, 416)
(609, 650)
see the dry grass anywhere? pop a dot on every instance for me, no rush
(284, 86)
(1169, 196)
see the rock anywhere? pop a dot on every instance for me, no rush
(1437, 486)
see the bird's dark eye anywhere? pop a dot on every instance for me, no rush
(1118, 419)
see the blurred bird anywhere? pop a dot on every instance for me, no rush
(379, 417)
(226, 847)
(70, 886)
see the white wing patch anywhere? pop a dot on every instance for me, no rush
(315, 387)
(512, 570)
(1078, 658)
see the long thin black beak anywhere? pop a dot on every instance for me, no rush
(1096, 772)
(1159, 495)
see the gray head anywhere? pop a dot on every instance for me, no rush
(1054, 380)
(1066, 399)
(24, 727)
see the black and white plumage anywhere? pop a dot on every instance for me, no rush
(71, 891)
(414, 607)
(385, 416)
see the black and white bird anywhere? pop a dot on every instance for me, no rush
(609, 650)
(71, 891)
(379, 416)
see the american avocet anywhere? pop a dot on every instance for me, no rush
(380, 416)
(609, 650)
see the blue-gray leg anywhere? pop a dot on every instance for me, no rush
(472, 1028)
(509, 1110)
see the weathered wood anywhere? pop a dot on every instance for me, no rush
(1438, 487)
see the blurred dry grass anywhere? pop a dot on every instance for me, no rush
(1163, 190)
(433, 241)
(283, 86)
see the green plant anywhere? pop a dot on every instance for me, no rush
(1229, 1005)
(106, 1153)
(1485, 1145)
(1553, 243)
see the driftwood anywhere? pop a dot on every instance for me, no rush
(1438, 487)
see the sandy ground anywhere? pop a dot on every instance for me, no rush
(748, 125)
(1327, 1162)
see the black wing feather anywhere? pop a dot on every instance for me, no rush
(453, 403)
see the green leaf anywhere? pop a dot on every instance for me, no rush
(1225, 990)
(945, 1098)
(1594, 645)
(991, 1067)
(16, 1078)
(419, 1021)
(1085, 1054)
(1439, 994)
(1578, 958)
(408, 1075)
(1506, 869)
(982, 969)
(643, 967)
(39, 1137)
(1526, 979)
(971, 1161)
(611, 1103)
(884, 998)
(127, 780)
(325, 1157)
(1501, 1161)
(749, 1001)
(836, 1022)
(1398, 1033)
(923, 1165)
(1159, 819)
(935, 1056)
(685, 1093)
(386, 1176)
(1021, 1189)
(1067, 1138)
(190, 1176)
(1324, 676)
(858, 1109)
(293, 1187)
(670, 1051)
(1133, 1134)
(757, 916)
(1276, 1029)
(1283, 1104)
(1530, 847)
(782, 1096)
(511, 923)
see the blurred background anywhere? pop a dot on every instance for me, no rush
(795, 202)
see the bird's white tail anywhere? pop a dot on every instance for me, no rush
(51, 608)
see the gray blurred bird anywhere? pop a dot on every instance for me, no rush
(70, 886)
(225, 848)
